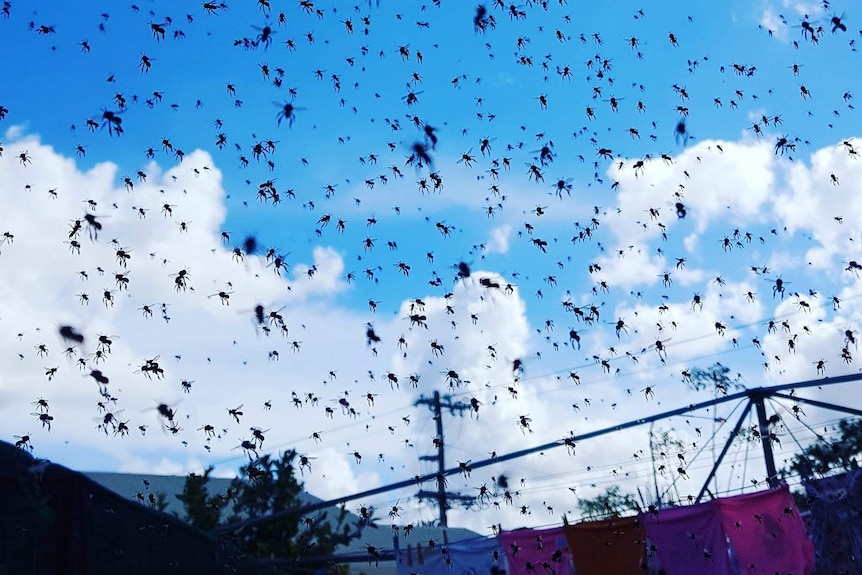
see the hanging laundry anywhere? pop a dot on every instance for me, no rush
(835, 522)
(766, 533)
(481, 556)
(687, 541)
(615, 546)
(537, 552)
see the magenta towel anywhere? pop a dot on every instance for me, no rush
(766, 533)
(537, 552)
(687, 541)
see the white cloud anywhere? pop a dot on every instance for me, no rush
(215, 346)
(498, 242)
(225, 357)
(810, 9)
(706, 178)
(814, 203)
(770, 21)
(631, 266)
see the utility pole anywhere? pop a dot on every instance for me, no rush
(441, 495)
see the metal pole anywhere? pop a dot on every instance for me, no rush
(765, 438)
(823, 404)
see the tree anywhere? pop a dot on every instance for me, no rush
(716, 377)
(265, 486)
(159, 501)
(608, 504)
(202, 509)
(839, 452)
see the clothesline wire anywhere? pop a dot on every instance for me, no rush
(743, 480)
(789, 431)
(736, 452)
(605, 466)
(703, 447)
(814, 432)
(727, 490)
(638, 467)
(611, 465)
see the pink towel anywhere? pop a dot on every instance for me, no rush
(537, 552)
(766, 533)
(687, 541)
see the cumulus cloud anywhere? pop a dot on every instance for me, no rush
(771, 22)
(498, 242)
(630, 267)
(816, 199)
(706, 178)
(61, 269)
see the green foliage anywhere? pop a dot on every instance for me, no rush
(840, 452)
(716, 377)
(160, 502)
(265, 486)
(202, 509)
(664, 443)
(608, 504)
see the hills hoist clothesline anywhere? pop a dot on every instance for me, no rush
(754, 397)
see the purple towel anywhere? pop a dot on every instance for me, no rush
(687, 541)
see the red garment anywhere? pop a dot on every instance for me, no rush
(615, 546)
(766, 533)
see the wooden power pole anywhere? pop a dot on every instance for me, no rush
(441, 495)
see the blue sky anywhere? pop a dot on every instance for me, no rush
(729, 67)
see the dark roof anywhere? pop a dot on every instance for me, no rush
(130, 484)
(55, 520)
